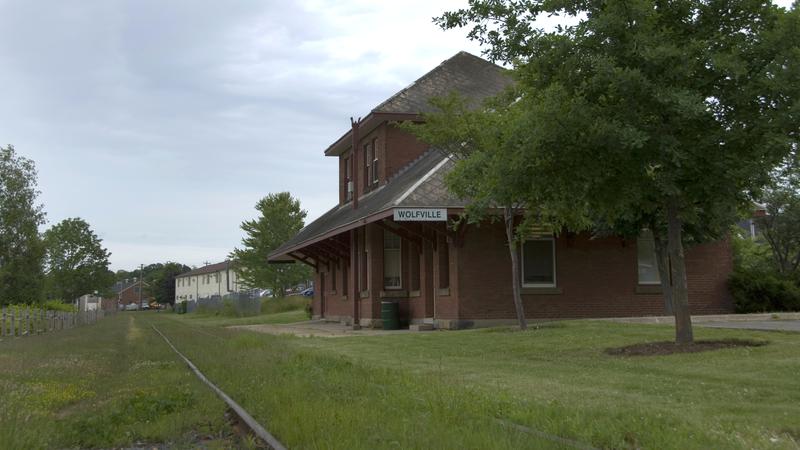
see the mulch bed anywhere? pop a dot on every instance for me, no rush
(670, 347)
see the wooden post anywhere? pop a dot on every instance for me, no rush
(13, 328)
(3, 322)
(355, 292)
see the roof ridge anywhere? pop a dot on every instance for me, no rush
(428, 74)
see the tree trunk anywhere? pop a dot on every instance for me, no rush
(508, 216)
(662, 256)
(680, 292)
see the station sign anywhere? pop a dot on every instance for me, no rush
(420, 214)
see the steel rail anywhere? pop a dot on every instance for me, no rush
(254, 426)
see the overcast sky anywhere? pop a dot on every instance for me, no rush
(161, 123)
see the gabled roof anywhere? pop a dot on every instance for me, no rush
(419, 184)
(465, 74)
(211, 268)
(120, 286)
(472, 77)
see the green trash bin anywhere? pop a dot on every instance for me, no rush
(389, 315)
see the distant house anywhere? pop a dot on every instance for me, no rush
(130, 291)
(213, 280)
(750, 226)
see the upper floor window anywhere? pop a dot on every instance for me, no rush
(374, 165)
(348, 180)
(369, 151)
(539, 262)
(646, 258)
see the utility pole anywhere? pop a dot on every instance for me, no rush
(141, 285)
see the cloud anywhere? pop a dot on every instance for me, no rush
(162, 123)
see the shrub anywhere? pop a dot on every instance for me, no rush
(58, 305)
(228, 308)
(757, 291)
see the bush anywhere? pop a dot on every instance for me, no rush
(58, 305)
(756, 291)
(182, 307)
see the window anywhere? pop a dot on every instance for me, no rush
(392, 264)
(348, 180)
(539, 263)
(345, 279)
(646, 258)
(443, 252)
(332, 270)
(413, 266)
(374, 167)
(368, 157)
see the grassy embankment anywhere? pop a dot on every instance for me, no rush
(273, 310)
(109, 384)
(453, 389)
(465, 389)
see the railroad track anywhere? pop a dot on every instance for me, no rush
(256, 428)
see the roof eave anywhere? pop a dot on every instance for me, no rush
(368, 123)
(283, 256)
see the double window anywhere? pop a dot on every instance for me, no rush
(370, 163)
(539, 262)
(392, 261)
(647, 259)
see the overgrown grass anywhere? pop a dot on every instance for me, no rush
(114, 383)
(273, 310)
(497, 388)
(449, 389)
(211, 319)
(290, 303)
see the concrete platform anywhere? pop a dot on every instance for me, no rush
(317, 328)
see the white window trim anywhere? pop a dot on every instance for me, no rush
(522, 264)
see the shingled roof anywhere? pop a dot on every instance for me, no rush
(419, 184)
(464, 74)
(211, 268)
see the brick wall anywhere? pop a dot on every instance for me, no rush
(596, 278)
(400, 148)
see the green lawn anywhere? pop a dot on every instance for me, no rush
(447, 389)
(466, 389)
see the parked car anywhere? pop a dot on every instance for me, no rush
(131, 307)
(308, 292)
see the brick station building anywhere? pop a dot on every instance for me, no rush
(388, 238)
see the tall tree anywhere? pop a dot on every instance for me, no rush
(76, 261)
(484, 149)
(162, 281)
(21, 249)
(281, 218)
(780, 227)
(647, 113)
